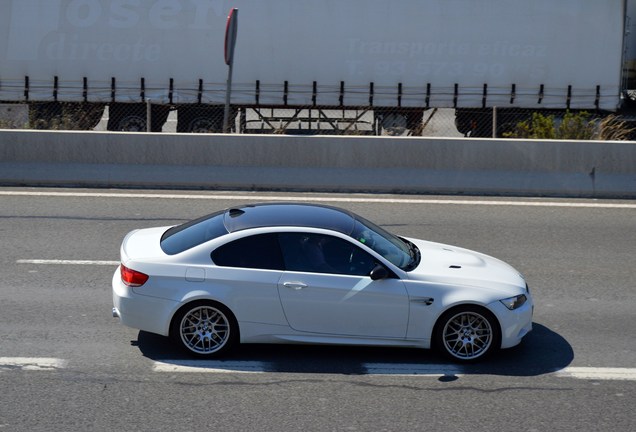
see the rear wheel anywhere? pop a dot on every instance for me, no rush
(467, 334)
(200, 119)
(132, 117)
(204, 329)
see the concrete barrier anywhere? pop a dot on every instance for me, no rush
(319, 163)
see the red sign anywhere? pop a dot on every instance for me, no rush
(230, 35)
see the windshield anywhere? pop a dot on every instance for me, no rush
(399, 252)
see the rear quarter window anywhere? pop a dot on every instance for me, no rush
(190, 234)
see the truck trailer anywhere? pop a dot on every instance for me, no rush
(335, 64)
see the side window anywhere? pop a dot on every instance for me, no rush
(258, 252)
(317, 253)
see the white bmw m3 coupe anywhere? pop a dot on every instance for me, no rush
(302, 273)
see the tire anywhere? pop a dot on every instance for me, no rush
(204, 329)
(132, 117)
(204, 125)
(474, 122)
(200, 119)
(467, 334)
(132, 123)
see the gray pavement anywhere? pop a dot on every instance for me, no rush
(579, 262)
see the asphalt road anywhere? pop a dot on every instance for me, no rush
(67, 365)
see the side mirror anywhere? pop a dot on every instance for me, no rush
(379, 272)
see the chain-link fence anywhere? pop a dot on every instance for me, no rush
(316, 120)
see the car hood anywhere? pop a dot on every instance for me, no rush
(451, 264)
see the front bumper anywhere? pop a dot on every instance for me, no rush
(515, 324)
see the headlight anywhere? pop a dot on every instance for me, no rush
(513, 303)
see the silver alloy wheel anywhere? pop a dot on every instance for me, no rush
(467, 335)
(204, 330)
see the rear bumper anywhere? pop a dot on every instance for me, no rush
(142, 312)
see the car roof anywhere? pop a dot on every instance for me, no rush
(289, 214)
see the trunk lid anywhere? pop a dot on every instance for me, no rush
(142, 244)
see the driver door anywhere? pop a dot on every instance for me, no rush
(326, 289)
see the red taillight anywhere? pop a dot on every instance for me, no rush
(131, 277)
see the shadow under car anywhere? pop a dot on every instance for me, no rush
(542, 351)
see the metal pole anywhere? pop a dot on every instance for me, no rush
(230, 42)
(494, 122)
(228, 93)
(148, 116)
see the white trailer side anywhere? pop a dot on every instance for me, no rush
(560, 46)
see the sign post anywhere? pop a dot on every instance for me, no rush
(230, 43)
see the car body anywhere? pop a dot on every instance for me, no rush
(304, 273)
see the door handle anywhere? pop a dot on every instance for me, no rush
(295, 285)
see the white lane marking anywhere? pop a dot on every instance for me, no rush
(383, 369)
(350, 199)
(222, 366)
(31, 363)
(67, 262)
(209, 366)
(413, 370)
(602, 374)
(586, 373)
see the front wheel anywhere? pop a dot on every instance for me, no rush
(204, 329)
(467, 334)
